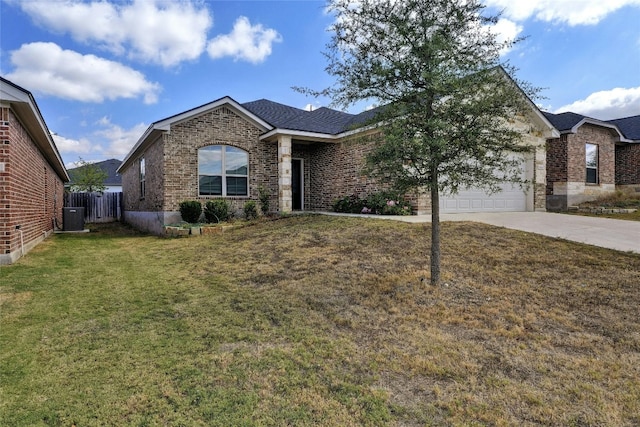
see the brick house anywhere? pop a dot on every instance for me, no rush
(590, 158)
(304, 159)
(628, 155)
(32, 174)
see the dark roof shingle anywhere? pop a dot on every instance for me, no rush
(322, 120)
(564, 121)
(109, 166)
(629, 126)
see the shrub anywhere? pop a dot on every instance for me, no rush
(191, 210)
(381, 203)
(263, 195)
(348, 204)
(250, 210)
(386, 203)
(217, 210)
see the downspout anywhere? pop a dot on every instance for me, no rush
(21, 240)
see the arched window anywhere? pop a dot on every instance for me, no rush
(223, 171)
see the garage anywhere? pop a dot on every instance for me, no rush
(510, 199)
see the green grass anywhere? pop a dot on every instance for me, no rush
(319, 321)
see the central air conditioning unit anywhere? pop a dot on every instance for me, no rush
(73, 219)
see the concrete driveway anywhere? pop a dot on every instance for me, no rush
(604, 232)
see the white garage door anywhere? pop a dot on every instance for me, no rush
(510, 199)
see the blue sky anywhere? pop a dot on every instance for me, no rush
(101, 72)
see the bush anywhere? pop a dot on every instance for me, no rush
(191, 210)
(217, 210)
(388, 203)
(250, 210)
(348, 204)
(263, 195)
(381, 203)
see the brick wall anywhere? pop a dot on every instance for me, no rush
(331, 170)
(172, 163)
(221, 126)
(605, 140)
(628, 164)
(153, 198)
(31, 193)
(336, 171)
(566, 167)
(556, 162)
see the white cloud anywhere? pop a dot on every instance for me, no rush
(165, 33)
(79, 146)
(572, 12)
(506, 30)
(118, 141)
(48, 69)
(107, 142)
(245, 42)
(606, 105)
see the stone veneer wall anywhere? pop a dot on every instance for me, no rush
(31, 193)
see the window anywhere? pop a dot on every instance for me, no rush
(142, 178)
(223, 171)
(592, 163)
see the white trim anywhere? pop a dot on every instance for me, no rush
(299, 134)
(165, 124)
(223, 172)
(596, 122)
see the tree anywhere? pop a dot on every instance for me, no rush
(448, 102)
(87, 177)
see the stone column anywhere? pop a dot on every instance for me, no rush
(285, 195)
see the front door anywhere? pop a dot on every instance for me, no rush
(297, 184)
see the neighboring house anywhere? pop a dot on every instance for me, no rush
(628, 155)
(32, 174)
(304, 159)
(590, 158)
(113, 181)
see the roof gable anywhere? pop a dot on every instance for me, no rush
(164, 125)
(227, 101)
(570, 123)
(24, 105)
(629, 126)
(564, 121)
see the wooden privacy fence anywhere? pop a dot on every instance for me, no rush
(105, 207)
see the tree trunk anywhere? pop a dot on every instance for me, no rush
(435, 231)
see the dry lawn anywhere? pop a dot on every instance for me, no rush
(314, 320)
